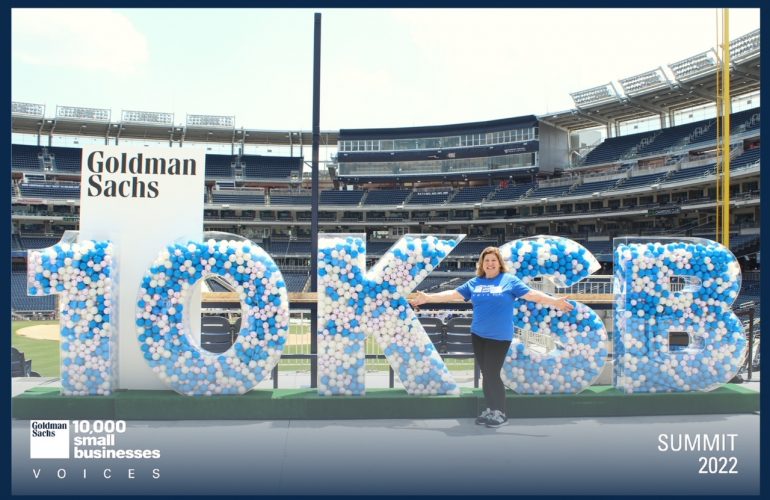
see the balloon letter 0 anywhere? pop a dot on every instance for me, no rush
(161, 325)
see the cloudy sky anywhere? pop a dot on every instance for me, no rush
(380, 67)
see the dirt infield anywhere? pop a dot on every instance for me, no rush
(40, 332)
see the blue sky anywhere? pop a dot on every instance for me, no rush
(380, 67)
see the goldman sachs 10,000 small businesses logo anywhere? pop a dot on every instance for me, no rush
(49, 439)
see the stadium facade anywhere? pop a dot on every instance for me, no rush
(495, 180)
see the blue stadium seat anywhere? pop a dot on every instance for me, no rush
(219, 166)
(66, 159)
(639, 181)
(390, 197)
(549, 191)
(434, 327)
(472, 194)
(24, 157)
(588, 188)
(689, 174)
(271, 167)
(20, 301)
(614, 149)
(458, 336)
(50, 191)
(746, 159)
(429, 197)
(341, 197)
(511, 192)
(237, 197)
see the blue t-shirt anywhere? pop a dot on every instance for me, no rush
(493, 301)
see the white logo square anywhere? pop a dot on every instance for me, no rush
(49, 439)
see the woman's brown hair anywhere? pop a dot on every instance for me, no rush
(480, 264)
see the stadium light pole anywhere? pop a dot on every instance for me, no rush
(314, 197)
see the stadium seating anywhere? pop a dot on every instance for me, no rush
(745, 121)
(49, 191)
(746, 159)
(548, 191)
(639, 181)
(472, 194)
(472, 248)
(288, 247)
(706, 133)
(341, 197)
(458, 336)
(378, 248)
(616, 148)
(271, 167)
(588, 188)
(750, 292)
(216, 333)
(295, 281)
(36, 242)
(220, 166)
(688, 174)
(668, 139)
(432, 283)
(216, 286)
(20, 301)
(429, 197)
(66, 159)
(739, 243)
(511, 192)
(434, 327)
(386, 197)
(24, 157)
(281, 198)
(16, 242)
(238, 196)
(599, 249)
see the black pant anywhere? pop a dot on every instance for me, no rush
(490, 355)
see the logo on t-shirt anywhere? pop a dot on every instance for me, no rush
(488, 290)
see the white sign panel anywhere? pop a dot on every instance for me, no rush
(141, 199)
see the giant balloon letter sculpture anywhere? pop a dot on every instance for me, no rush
(675, 285)
(352, 303)
(580, 336)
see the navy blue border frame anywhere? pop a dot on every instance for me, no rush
(764, 182)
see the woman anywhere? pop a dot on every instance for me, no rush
(492, 292)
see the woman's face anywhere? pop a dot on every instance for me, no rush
(491, 265)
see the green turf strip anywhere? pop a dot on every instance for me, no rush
(279, 404)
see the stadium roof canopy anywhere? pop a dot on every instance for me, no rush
(153, 126)
(684, 84)
(693, 83)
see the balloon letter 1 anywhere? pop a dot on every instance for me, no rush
(80, 273)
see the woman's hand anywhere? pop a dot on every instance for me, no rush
(562, 304)
(418, 298)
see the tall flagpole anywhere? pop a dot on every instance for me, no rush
(314, 198)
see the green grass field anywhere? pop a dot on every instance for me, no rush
(43, 353)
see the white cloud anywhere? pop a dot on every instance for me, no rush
(90, 39)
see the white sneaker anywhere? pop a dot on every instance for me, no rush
(497, 419)
(482, 419)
